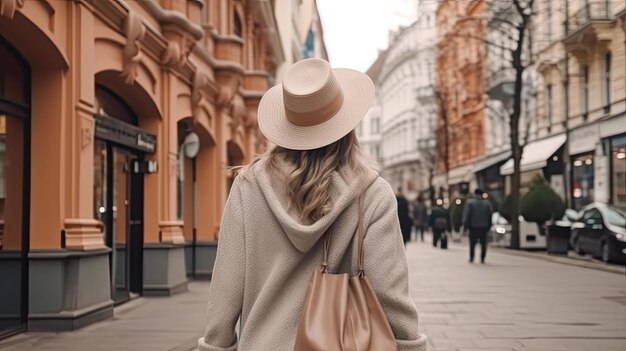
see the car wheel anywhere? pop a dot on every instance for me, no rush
(606, 253)
(577, 247)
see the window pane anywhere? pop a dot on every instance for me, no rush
(616, 218)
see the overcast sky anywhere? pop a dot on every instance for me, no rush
(354, 30)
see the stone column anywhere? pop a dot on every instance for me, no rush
(164, 254)
(69, 283)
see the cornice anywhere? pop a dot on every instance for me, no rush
(142, 37)
(173, 17)
(395, 63)
(218, 65)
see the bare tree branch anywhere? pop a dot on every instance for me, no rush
(474, 37)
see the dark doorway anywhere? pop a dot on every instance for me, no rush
(14, 189)
(119, 167)
(119, 205)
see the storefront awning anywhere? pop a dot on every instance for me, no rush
(490, 161)
(460, 175)
(536, 154)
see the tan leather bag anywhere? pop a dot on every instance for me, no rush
(342, 312)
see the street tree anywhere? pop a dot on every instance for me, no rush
(509, 25)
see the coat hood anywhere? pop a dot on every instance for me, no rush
(344, 192)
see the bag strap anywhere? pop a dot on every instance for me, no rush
(361, 232)
(360, 238)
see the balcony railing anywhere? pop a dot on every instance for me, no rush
(591, 11)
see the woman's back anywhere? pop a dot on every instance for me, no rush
(267, 256)
(281, 206)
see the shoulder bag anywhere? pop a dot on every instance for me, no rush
(342, 312)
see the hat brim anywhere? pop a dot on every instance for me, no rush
(358, 92)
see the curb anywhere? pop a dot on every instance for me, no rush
(616, 269)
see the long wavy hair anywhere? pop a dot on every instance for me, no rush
(308, 182)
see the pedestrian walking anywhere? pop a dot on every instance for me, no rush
(477, 220)
(439, 222)
(420, 217)
(406, 223)
(297, 208)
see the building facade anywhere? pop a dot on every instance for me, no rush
(118, 121)
(368, 131)
(462, 101)
(407, 66)
(581, 58)
(301, 32)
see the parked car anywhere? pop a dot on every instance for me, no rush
(500, 231)
(530, 237)
(600, 232)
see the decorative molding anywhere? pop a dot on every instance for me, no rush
(9, 7)
(135, 32)
(179, 46)
(86, 136)
(203, 89)
(218, 65)
(229, 83)
(84, 234)
(151, 42)
(181, 34)
(173, 17)
(238, 113)
(172, 232)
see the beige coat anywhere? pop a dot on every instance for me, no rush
(265, 259)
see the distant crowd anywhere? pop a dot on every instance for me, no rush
(476, 221)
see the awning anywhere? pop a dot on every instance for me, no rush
(490, 161)
(535, 154)
(460, 175)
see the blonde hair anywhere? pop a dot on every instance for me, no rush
(308, 184)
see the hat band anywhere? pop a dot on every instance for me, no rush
(315, 117)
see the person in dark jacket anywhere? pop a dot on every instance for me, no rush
(404, 216)
(439, 222)
(420, 217)
(477, 219)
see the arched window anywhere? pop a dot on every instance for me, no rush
(109, 104)
(237, 25)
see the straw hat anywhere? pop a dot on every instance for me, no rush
(315, 106)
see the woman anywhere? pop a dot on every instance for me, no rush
(280, 206)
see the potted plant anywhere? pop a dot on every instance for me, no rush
(542, 204)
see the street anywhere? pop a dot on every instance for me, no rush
(510, 303)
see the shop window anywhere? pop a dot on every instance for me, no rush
(582, 181)
(618, 175)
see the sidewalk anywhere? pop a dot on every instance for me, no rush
(514, 302)
(150, 323)
(570, 259)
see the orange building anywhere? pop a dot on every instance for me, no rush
(461, 80)
(118, 120)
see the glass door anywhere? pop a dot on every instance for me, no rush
(13, 222)
(113, 184)
(120, 186)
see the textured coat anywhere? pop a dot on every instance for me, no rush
(266, 257)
